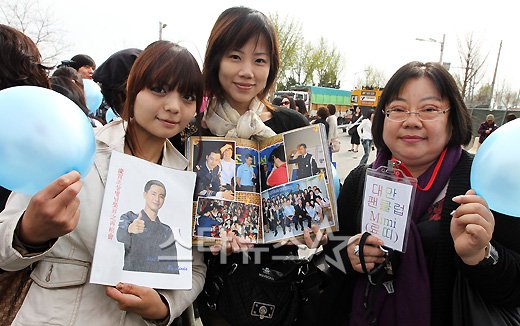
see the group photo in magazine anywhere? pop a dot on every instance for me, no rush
(266, 191)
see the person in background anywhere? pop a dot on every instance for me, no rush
(57, 227)
(240, 67)
(510, 117)
(301, 107)
(421, 124)
(285, 102)
(277, 101)
(21, 65)
(68, 82)
(291, 105)
(357, 117)
(365, 134)
(111, 76)
(323, 114)
(83, 63)
(332, 120)
(486, 128)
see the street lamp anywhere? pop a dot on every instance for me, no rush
(435, 41)
(161, 26)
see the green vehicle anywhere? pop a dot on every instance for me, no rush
(316, 96)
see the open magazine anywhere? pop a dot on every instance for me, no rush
(144, 232)
(265, 191)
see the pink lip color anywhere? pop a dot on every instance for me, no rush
(168, 122)
(412, 139)
(244, 86)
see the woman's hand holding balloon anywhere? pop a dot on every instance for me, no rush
(144, 301)
(472, 227)
(53, 211)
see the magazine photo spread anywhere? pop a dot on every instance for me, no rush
(267, 191)
(144, 233)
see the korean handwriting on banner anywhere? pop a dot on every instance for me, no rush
(385, 210)
(115, 203)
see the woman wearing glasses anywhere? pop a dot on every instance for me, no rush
(421, 123)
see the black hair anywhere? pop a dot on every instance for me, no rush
(151, 183)
(278, 152)
(459, 117)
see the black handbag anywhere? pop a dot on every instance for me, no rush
(272, 293)
(470, 309)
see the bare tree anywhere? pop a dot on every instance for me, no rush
(373, 77)
(38, 23)
(471, 64)
(505, 97)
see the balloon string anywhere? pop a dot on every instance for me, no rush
(407, 172)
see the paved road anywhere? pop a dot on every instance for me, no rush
(345, 160)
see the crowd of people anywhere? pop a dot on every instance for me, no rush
(296, 210)
(421, 125)
(216, 218)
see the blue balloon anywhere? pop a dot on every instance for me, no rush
(110, 115)
(93, 95)
(336, 180)
(43, 135)
(495, 173)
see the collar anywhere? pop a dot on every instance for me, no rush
(112, 137)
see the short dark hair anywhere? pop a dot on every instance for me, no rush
(81, 60)
(323, 112)
(279, 153)
(459, 117)
(151, 183)
(302, 144)
(249, 155)
(332, 109)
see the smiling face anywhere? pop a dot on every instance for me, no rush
(414, 142)
(212, 160)
(154, 198)
(160, 113)
(243, 73)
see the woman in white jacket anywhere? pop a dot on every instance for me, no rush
(57, 227)
(365, 133)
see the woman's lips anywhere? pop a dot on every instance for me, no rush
(244, 85)
(411, 138)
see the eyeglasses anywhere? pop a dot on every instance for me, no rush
(285, 102)
(428, 113)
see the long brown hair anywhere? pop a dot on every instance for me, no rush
(162, 63)
(20, 60)
(234, 28)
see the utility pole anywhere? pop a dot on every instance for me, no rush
(442, 47)
(435, 41)
(491, 102)
(161, 26)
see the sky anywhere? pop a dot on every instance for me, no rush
(376, 33)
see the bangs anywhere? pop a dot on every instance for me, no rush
(176, 69)
(251, 26)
